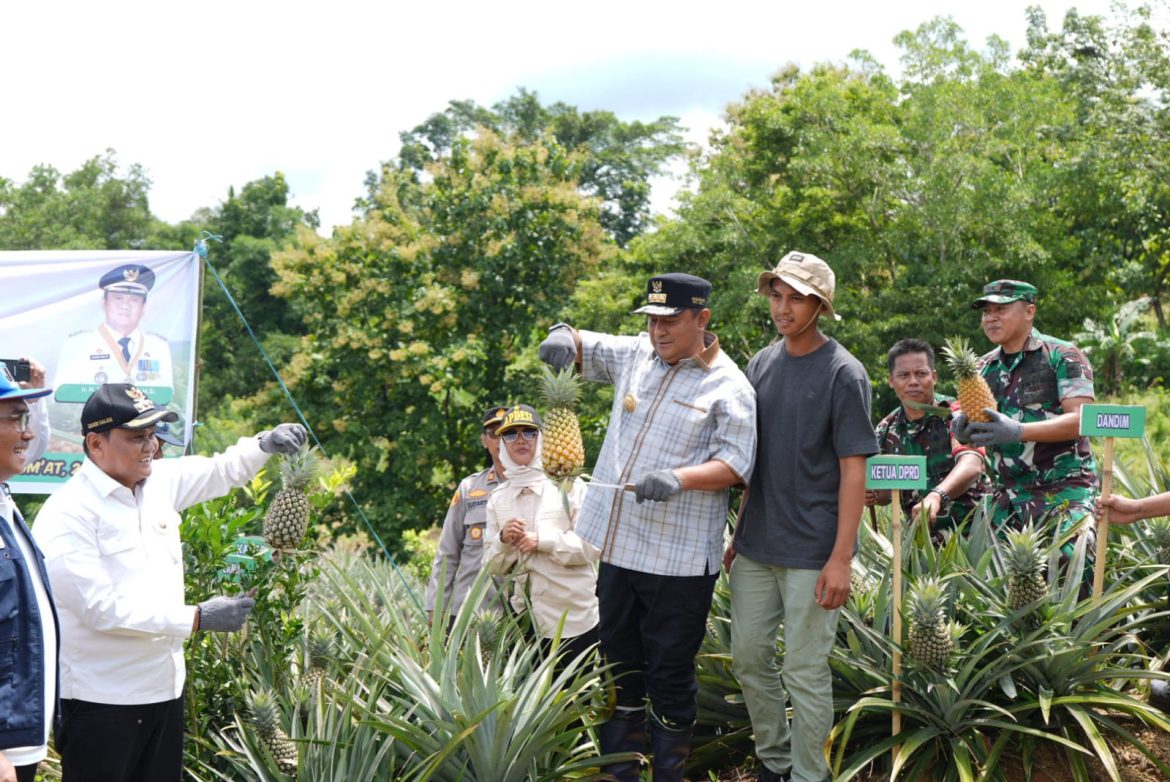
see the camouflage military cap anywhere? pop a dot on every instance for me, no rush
(1004, 291)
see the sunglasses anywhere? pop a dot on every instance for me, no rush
(529, 434)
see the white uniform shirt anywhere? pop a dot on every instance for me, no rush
(115, 563)
(90, 358)
(26, 756)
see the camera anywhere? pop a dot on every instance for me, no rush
(18, 368)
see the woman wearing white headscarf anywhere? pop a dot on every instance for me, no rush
(530, 536)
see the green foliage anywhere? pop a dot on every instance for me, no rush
(254, 225)
(92, 208)
(618, 158)
(220, 664)
(1019, 678)
(417, 313)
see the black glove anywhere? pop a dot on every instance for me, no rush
(224, 614)
(998, 431)
(286, 439)
(559, 349)
(658, 486)
(962, 428)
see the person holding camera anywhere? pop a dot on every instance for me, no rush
(113, 554)
(28, 684)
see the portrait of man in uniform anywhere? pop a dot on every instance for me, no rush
(117, 351)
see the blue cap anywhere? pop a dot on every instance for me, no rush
(162, 430)
(10, 389)
(670, 294)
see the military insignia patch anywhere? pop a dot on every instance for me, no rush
(476, 493)
(476, 533)
(455, 499)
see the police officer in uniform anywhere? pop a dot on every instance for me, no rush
(460, 555)
(118, 351)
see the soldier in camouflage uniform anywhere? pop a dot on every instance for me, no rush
(954, 471)
(1040, 463)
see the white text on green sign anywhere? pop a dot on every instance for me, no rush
(1113, 420)
(895, 472)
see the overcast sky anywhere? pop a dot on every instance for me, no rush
(212, 94)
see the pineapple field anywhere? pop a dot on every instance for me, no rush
(340, 675)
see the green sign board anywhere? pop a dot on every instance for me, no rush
(1113, 420)
(80, 392)
(895, 472)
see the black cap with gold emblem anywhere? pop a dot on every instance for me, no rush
(494, 415)
(121, 405)
(670, 294)
(130, 278)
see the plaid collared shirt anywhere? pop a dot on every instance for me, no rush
(664, 417)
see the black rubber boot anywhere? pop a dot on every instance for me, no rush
(670, 745)
(625, 732)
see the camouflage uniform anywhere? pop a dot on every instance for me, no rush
(931, 436)
(1034, 480)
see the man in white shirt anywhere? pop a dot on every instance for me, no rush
(113, 554)
(28, 684)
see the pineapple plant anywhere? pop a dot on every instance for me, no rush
(1024, 563)
(563, 451)
(320, 649)
(266, 719)
(486, 625)
(1159, 533)
(971, 389)
(931, 636)
(288, 514)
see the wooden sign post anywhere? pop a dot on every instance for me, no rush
(1108, 421)
(895, 473)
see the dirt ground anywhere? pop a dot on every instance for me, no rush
(1051, 766)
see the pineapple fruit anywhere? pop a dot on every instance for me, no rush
(972, 390)
(266, 719)
(1024, 562)
(1159, 532)
(320, 649)
(487, 625)
(288, 514)
(563, 451)
(931, 636)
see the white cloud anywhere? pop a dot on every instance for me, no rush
(221, 93)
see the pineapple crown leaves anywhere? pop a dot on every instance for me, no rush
(301, 469)
(960, 357)
(264, 710)
(560, 389)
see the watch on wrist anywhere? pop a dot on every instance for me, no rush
(943, 496)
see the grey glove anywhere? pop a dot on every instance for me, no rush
(1000, 429)
(559, 349)
(961, 426)
(658, 486)
(286, 439)
(224, 614)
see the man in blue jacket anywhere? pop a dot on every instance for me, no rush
(28, 622)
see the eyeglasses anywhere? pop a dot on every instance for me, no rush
(21, 420)
(529, 434)
(491, 434)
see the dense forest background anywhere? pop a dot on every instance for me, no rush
(1051, 164)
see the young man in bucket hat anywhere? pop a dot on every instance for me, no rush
(459, 557)
(113, 554)
(28, 621)
(682, 431)
(1039, 462)
(794, 542)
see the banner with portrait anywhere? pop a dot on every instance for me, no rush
(93, 317)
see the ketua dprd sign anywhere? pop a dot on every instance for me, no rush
(895, 472)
